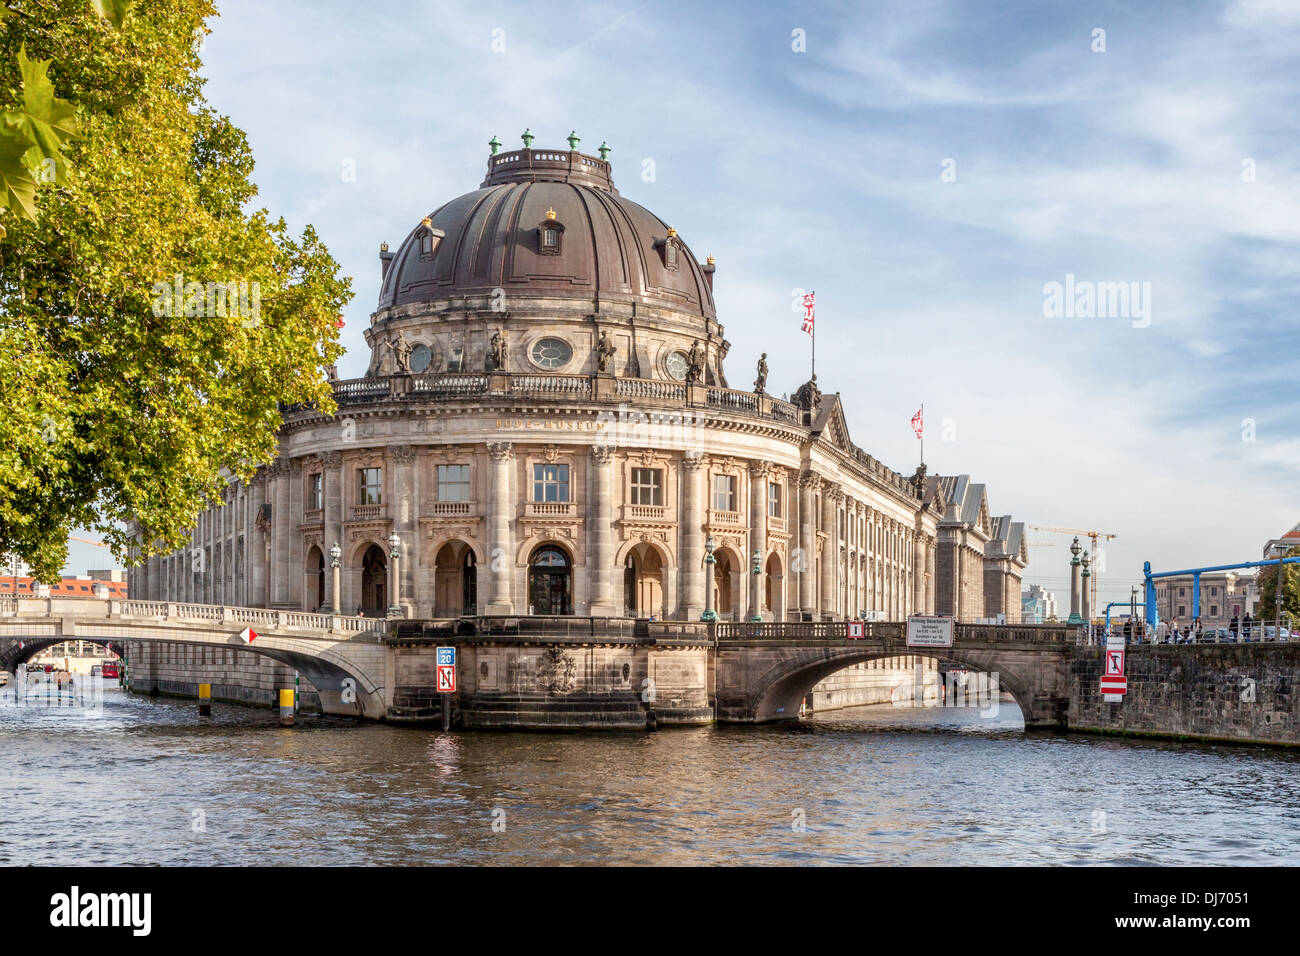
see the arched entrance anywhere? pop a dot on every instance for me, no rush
(456, 580)
(313, 590)
(774, 589)
(643, 583)
(550, 581)
(722, 575)
(374, 582)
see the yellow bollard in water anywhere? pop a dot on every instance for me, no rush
(205, 700)
(286, 707)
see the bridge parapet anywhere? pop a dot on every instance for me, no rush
(298, 621)
(892, 632)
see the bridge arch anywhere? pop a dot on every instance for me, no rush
(789, 686)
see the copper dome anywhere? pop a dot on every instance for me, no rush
(608, 248)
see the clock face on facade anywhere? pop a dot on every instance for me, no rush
(677, 365)
(420, 358)
(551, 353)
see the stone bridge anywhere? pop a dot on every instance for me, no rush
(764, 671)
(330, 651)
(594, 673)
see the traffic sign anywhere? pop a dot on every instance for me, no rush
(446, 678)
(855, 630)
(1114, 682)
(446, 670)
(248, 635)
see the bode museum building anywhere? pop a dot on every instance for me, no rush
(546, 427)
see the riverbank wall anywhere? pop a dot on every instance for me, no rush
(1240, 693)
(237, 676)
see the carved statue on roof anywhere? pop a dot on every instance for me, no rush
(760, 383)
(401, 350)
(695, 363)
(604, 352)
(809, 396)
(498, 352)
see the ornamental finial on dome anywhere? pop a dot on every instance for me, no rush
(671, 232)
(528, 138)
(711, 261)
(550, 213)
(604, 151)
(573, 139)
(494, 144)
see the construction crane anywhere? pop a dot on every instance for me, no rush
(1092, 559)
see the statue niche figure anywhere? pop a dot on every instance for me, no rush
(498, 352)
(760, 383)
(695, 363)
(401, 350)
(605, 351)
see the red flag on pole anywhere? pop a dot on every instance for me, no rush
(918, 422)
(809, 301)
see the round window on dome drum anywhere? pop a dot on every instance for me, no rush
(420, 358)
(677, 365)
(551, 353)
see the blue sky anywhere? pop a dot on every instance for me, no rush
(823, 169)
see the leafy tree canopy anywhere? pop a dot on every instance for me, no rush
(151, 320)
(1267, 582)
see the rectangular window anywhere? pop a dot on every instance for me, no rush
(550, 238)
(1182, 610)
(648, 486)
(453, 482)
(773, 500)
(724, 492)
(550, 482)
(455, 360)
(372, 481)
(1214, 610)
(316, 495)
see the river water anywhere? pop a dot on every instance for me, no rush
(147, 781)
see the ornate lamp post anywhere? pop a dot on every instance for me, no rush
(395, 552)
(756, 569)
(335, 553)
(1075, 617)
(1085, 599)
(709, 561)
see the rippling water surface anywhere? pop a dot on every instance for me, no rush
(868, 785)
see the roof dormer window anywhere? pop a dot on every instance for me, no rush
(550, 235)
(668, 248)
(429, 238)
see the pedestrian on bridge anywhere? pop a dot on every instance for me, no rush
(1246, 623)
(1234, 626)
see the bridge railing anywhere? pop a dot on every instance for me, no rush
(175, 610)
(796, 631)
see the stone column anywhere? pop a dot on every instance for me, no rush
(931, 556)
(830, 548)
(692, 529)
(332, 520)
(404, 510)
(500, 518)
(601, 508)
(255, 552)
(757, 535)
(808, 485)
(280, 569)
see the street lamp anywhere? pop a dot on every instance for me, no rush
(709, 561)
(335, 553)
(756, 569)
(1075, 617)
(1085, 597)
(395, 552)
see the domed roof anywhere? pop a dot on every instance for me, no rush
(547, 224)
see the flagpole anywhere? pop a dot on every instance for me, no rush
(922, 435)
(814, 342)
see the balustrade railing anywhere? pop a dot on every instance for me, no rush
(183, 611)
(650, 388)
(447, 385)
(566, 386)
(442, 509)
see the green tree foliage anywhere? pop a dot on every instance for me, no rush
(1267, 582)
(151, 320)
